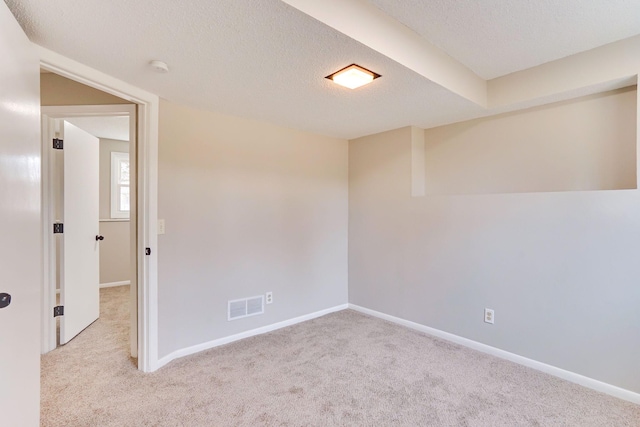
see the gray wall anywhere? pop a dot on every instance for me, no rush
(584, 144)
(115, 265)
(249, 208)
(560, 269)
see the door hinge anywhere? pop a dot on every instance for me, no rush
(147, 251)
(58, 144)
(58, 228)
(58, 310)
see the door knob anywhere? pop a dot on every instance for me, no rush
(99, 238)
(5, 300)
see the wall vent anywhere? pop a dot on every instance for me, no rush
(245, 307)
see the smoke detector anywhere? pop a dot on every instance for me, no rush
(159, 66)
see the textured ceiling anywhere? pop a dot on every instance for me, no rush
(110, 127)
(498, 37)
(265, 60)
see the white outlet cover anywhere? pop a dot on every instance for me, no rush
(269, 298)
(489, 316)
(161, 226)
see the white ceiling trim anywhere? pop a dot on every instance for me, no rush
(370, 26)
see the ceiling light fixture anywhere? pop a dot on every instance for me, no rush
(159, 66)
(353, 76)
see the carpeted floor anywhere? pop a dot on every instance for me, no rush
(343, 369)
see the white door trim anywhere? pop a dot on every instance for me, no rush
(148, 110)
(48, 328)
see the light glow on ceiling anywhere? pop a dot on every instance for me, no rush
(353, 76)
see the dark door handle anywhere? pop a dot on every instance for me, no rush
(99, 238)
(5, 300)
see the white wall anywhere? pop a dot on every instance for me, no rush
(560, 269)
(115, 248)
(249, 208)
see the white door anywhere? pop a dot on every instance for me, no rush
(20, 247)
(80, 275)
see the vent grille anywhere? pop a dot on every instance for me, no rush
(246, 307)
(237, 309)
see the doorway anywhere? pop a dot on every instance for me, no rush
(70, 260)
(147, 109)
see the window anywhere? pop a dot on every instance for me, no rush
(120, 185)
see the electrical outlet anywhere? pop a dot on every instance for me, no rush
(269, 298)
(489, 315)
(161, 226)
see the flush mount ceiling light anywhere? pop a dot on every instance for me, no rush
(353, 76)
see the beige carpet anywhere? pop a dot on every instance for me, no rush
(343, 369)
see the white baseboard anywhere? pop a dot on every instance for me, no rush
(108, 285)
(253, 332)
(114, 284)
(543, 367)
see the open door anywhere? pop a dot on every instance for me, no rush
(20, 208)
(80, 275)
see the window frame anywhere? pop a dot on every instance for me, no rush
(116, 159)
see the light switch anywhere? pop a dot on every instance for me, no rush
(161, 226)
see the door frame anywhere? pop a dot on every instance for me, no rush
(49, 115)
(148, 106)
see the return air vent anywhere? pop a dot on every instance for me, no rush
(246, 307)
